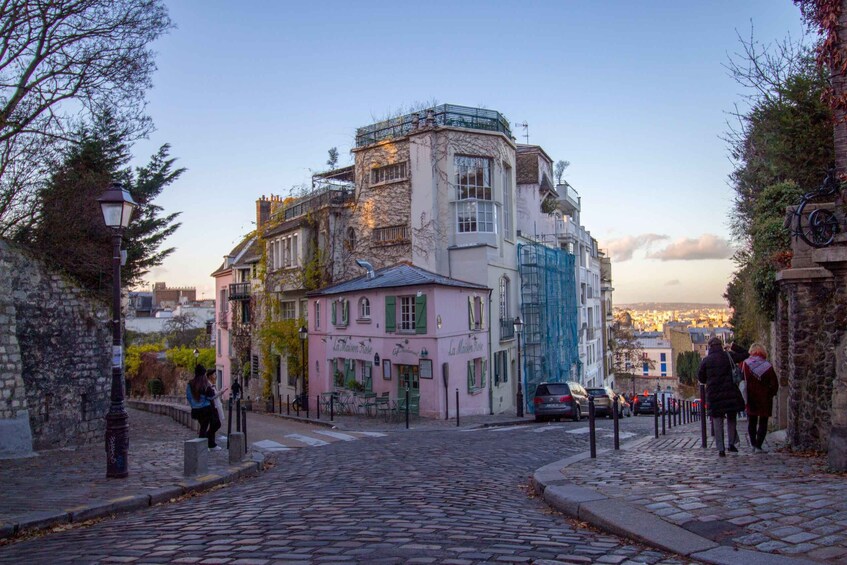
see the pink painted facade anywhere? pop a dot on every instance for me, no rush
(223, 278)
(451, 342)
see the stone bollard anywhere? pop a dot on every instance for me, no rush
(235, 444)
(196, 456)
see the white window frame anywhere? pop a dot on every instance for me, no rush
(364, 308)
(407, 314)
(475, 209)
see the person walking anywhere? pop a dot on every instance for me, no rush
(762, 386)
(211, 375)
(201, 399)
(723, 398)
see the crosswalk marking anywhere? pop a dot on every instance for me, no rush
(336, 435)
(372, 434)
(308, 440)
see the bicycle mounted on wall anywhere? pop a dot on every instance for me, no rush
(819, 227)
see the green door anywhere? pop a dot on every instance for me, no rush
(408, 376)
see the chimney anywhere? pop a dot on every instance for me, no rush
(263, 211)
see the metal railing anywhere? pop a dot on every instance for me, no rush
(318, 199)
(239, 291)
(444, 115)
(391, 234)
(507, 328)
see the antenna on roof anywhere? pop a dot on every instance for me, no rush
(525, 127)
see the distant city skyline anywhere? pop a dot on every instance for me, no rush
(634, 95)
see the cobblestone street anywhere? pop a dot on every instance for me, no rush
(433, 496)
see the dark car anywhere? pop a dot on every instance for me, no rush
(646, 405)
(602, 401)
(560, 400)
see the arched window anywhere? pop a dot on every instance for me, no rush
(350, 241)
(504, 298)
(364, 309)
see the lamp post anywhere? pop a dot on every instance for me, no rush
(117, 206)
(304, 387)
(196, 356)
(519, 400)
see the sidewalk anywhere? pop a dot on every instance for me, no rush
(69, 485)
(671, 493)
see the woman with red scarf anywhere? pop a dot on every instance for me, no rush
(762, 385)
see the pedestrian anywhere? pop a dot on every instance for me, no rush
(723, 398)
(762, 386)
(201, 399)
(236, 389)
(219, 407)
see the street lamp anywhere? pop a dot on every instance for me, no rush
(518, 327)
(117, 206)
(304, 387)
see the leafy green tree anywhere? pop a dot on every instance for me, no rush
(68, 229)
(687, 364)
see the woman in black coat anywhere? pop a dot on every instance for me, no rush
(722, 395)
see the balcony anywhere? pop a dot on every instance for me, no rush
(507, 329)
(318, 199)
(447, 115)
(239, 291)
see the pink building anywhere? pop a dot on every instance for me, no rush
(403, 326)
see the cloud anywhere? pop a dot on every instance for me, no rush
(708, 246)
(622, 249)
(674, 282)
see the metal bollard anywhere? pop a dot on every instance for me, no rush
(664, 412)
(297, 405)
(318, 409)
(616, 424)
(244, 428)
(592, 440)
(288, 404)
(306, 397)
(331, 407)
(273, 406)
(702, 416)
(229, 418)
(656, 415)
(238, 415)
(457, 407)
(407, 407)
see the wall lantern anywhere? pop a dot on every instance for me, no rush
(376, 358)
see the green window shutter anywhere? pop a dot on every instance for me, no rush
(505, 372)
(470, 376)
(482, 313)
(345, 311)
(497, 367)
(484, 370)
(332, 311)
(390, 313)
(470, 313)
(420, 314)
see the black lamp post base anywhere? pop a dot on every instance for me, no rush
(117, 444)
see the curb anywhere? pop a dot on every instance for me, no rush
(44, 520)
(619, 517)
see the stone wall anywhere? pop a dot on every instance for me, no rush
(55, 353)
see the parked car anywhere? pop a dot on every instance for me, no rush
(624, 407)
(602, 401)
(560, 400)
(646, 405)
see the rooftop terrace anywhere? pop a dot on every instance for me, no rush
(444, 115)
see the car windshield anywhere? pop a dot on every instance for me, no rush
(552, 389)
(597, 391)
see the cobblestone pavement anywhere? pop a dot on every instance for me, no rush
(427, 496)
(774, 502)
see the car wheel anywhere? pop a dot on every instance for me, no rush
(578, 415)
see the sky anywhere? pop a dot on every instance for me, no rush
(635, 95)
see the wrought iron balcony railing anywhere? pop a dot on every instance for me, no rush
(507, 328)
(239, 291)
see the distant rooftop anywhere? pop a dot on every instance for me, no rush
(443, 115)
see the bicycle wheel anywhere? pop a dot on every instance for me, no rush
(818, 228)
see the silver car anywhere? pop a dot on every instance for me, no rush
(560, 400)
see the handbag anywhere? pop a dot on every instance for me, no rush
(737, 375)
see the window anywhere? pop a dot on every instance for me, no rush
(645, 369)
(350, 241)
(364, 309)
(295, 251)
(475, 209)
(340, 312)
(407, 313)
(367, 376)
(317, 314)
(286, 310)
(476, 313)
(245, 312)
(504, 298)
(388, 173)
(411, 316)
(501, 367)
(476, 374)
(391, 234)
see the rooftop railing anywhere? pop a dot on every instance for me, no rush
(443, 115)
(321, 197)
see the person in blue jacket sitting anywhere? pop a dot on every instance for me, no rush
(201, 397)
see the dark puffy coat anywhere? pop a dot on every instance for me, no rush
(722, 395)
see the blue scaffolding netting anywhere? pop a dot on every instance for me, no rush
(550, 348)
